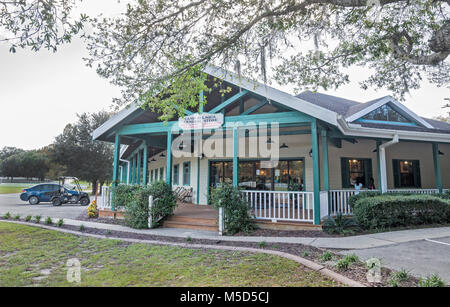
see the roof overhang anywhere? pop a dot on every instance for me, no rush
(360, 131)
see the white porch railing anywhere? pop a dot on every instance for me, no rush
(281, 205)
(338, 199)
(417, 191)
(106, 201)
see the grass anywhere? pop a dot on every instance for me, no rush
(31, 256)
(6, 188)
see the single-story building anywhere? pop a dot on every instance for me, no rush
(297, 158)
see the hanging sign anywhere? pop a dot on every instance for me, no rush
(201, 121)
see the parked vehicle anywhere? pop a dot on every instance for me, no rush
(57, 194)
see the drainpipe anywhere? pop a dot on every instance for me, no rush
(128, 169)
(382, 162)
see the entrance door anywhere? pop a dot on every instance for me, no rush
(220, 172)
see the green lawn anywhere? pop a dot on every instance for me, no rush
(11, 188)
(31, 256)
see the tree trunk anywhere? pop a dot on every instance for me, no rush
(101, 185)
(94, 187)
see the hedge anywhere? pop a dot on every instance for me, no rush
(392, 210)
(134, 200)
(235, 209)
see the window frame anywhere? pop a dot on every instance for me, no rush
(345, 171)
(187, 164)
(415, 172)
(176, 174)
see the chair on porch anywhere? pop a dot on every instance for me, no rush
(183, 194)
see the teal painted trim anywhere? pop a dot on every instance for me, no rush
(198, 181)
(229, 101)
(145, 160)
(169, 160)
(235, 157)
(371, 121)
(134, 170)
(437, 167)
(326, 177)
(176, 174)
(201, 102)
(187, 178)
(378, 164)
(316, 175)
(139, 164)
(254, 108)
(283, 118)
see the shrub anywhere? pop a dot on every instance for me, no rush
(60, 222)
(7, 216)
(326, 256)
(432, 281)
(28, 218)
(236, 215)
(92, 210)
(134, 199)
(81, 228)
(37, 218)
(339, 224)
(398, 277)
(48, 221)
(262, 244)
(344, 263)
(17, 217)
(391, 210)
(164, 201)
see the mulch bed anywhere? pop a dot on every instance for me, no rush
(287, 233)
(357, 271)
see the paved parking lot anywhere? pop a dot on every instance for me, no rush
(421, 258)
(12, 203)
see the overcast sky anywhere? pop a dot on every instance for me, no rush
(41, 92)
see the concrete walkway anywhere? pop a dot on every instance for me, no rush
(354, 242)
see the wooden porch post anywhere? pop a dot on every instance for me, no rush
(145, 170)
(235, 156)
(379, 164)
(316, 175)
(169, 159)
(326, 178)
(139, 160)
(116, 163)
(437, 167)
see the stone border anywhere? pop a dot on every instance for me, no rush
(305, 262)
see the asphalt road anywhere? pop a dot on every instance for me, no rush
(12, 203)
(421, 258)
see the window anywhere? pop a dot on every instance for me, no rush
(356, 170)
(286, 176)
(175, 174)
(406, 173)
(151, 176)
(156, 174)
(161, 173)
(186, 173)
(385, 113)
(220, 172)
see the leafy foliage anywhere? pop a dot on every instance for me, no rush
(235, 209)
(134, 199)
(339, 224)
(310, 44)
(92, 209)
(83, 157)
(37, 24)
(433, 281)
(392, 210)
(20, 163)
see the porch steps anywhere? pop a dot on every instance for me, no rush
(284, 225)
(209, 224)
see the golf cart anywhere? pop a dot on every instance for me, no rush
(69, 193)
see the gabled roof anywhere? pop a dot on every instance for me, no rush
(336, 111)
